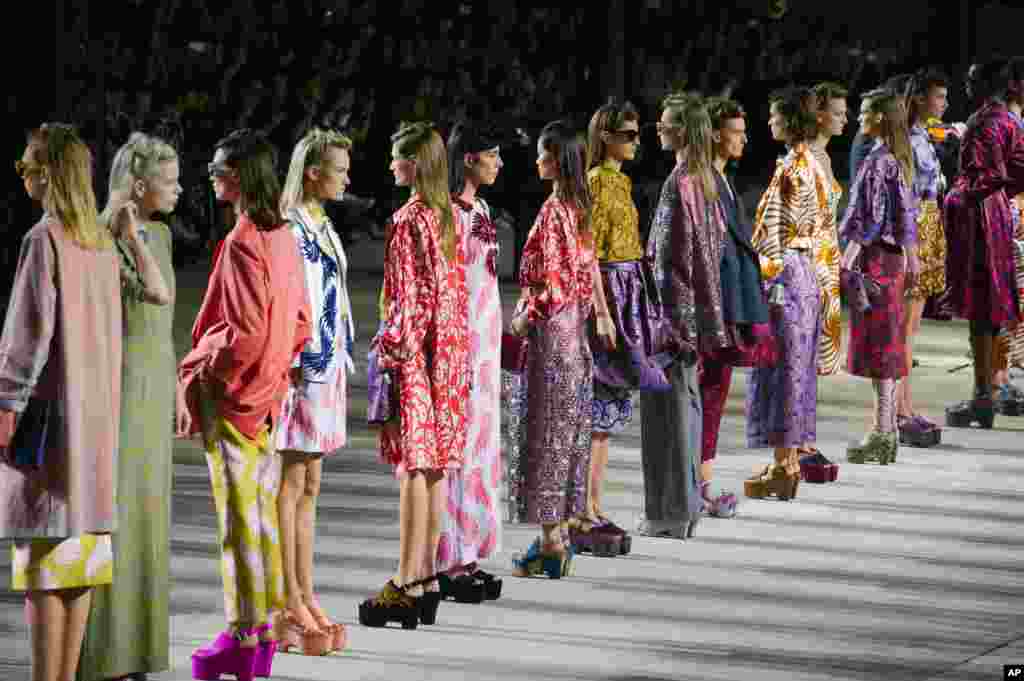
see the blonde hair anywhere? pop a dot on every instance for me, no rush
(894, 133)
(138, 159)
(309, 153)
(421, 142)
(690, 112)
(67, 161)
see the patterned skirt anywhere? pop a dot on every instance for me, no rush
(877, 336)
(782, 401)
(49, 564)
(931, 251)
(559, 372)
(313, 416)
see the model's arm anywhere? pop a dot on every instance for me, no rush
(28, 329)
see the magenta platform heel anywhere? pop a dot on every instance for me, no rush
(226, 655)
(264, 654)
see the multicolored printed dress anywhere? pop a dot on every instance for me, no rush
(313, 415)
(979, 222)
(931, 236)
(826, 267)
(424, 340)
(471, 525)
(556, 273)
(882, 218)
(782, 401)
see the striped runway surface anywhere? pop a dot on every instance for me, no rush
(911, 571)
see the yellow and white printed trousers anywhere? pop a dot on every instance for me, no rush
(246, 476)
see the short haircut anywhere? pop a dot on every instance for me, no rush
(721, 109)
(828, 91)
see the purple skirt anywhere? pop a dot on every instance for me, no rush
(636, 312)
(782, 401)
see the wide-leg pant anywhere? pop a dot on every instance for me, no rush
(715, 380)
(670, 450)
(560, 370)
(245, 476)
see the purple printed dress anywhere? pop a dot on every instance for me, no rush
(881, 217)
(979, 224)
(471, 525)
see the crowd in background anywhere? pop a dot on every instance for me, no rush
(200, 68)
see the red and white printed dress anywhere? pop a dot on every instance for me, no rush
(424, 340)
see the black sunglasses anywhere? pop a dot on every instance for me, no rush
(627, 135)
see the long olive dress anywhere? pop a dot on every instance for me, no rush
(129, 625)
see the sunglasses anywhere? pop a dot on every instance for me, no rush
(218, 170)
(662, 126)
(625, 135)
(24, 169)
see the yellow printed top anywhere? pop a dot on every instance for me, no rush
(615, 223)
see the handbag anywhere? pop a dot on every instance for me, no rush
(514, 350)
(759, 348)
(858, 289)
(382, 400)
(28, 445)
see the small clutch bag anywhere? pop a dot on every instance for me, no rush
(858, 289)
(28, 445)
(513, 352)
(382, 404)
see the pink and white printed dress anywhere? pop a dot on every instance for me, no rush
(471, 525)
(314, 411)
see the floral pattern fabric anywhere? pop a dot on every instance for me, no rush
(84, 560)
(826, 255)
(424, 339)
(979, 223)
(881, 208)
(685, 250)
(557, 266)
(615, 222)
(471, 525)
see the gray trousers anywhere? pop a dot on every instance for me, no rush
(670, 450)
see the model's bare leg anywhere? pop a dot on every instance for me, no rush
(305, 535)
(76, 607)
(46, 615)
(435, 499)
(414, 522)
(293, 484)
(598, 468)
(911, 325)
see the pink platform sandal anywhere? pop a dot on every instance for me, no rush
(335, 631)
(226, 655)
(292, 635)
(264, 653)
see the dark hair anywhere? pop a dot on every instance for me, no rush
(1014, 77)
(799, 110)
(987, 80)
(921, 83)
(570, 150)
(255, 158)
(606, 119)
(466, 137)
(721, 109)
(826, 91)
(898, 84)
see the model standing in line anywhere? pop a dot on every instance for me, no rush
(60, 387)
(313, 415)
(880, 230)
(613, 139)
(424, 342)
(560, 290)
(979, 230)
(685, 250)
(743, 306)
(831, 117)
(926, 100)
(253, 320)
(782, 400)
(129, 626)
(471, 525)
(1014, 340)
